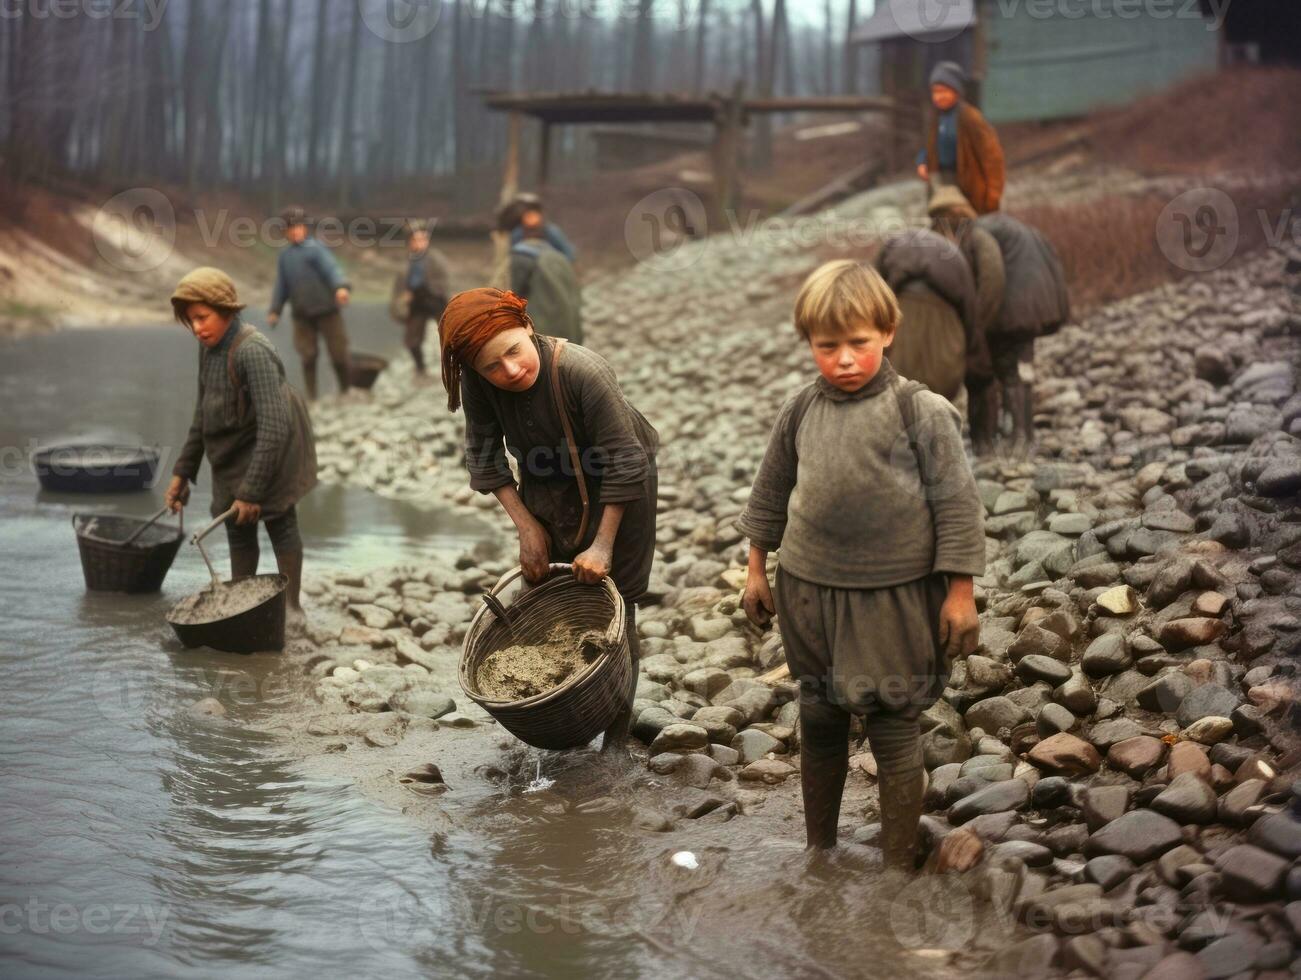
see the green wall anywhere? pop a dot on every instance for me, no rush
(1084, 54)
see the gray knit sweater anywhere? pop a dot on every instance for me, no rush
(853, 503)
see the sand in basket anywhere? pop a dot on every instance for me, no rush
(525, 670)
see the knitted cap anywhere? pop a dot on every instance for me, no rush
(950, 73)
(205, 285)
(948, 199)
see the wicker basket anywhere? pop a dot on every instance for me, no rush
(586, 704)
(110, 565)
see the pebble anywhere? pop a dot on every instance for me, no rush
(1108, 654)
(1119, 601)
(1067, 754)
(1010, 794)
(1252, 874)
(1139, 835)
(1188, 799)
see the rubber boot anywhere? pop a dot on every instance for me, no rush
(983, 417)
(824, 765)
(418, 356)
(290, 565)
(1027, 408)
(309, 378)
(341, 372)
(901, 795)
(1021, 409)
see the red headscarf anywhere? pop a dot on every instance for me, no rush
(472, 319)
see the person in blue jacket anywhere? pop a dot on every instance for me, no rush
(511, 218)
(310, 280)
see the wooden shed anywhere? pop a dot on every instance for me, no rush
(1042, 59)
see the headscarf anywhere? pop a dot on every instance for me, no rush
(472, 319)
(205, 285)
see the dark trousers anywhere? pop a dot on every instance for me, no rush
(282, 530)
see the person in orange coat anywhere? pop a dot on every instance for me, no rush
(962, 148)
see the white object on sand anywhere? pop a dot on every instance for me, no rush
(685, 859)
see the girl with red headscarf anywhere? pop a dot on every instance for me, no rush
(559, 412)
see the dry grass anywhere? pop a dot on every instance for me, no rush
(1108, 245)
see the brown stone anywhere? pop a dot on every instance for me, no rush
(959, 851)
(1188, 757)
(1136, 756)
(1209, 604)
(1180, 634)
(1200, 671)
(1065, 754)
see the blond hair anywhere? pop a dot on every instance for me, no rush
(842, 295)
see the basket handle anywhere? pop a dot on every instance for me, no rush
(499, 610)
(147, 525)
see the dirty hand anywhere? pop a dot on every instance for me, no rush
(923, 172)
(246, 513)
(341, 296)
(273, 319)
(757, 600)
(534, 552)
(178, 493)
(593, 564)
(959, 624)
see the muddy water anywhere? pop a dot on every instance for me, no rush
(142, 837)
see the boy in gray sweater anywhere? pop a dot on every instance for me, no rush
(866, 489)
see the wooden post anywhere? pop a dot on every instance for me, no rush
(509, 188)
(544, 156)
(726, 154)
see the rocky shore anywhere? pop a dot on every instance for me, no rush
(1116, 769)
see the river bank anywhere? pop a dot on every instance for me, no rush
(1111, 775)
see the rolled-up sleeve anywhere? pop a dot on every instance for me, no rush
(261, 379)
(956, 510)
(764, 519)
(485, 447)
(611, 426)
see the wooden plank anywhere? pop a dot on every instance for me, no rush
(859, 179)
